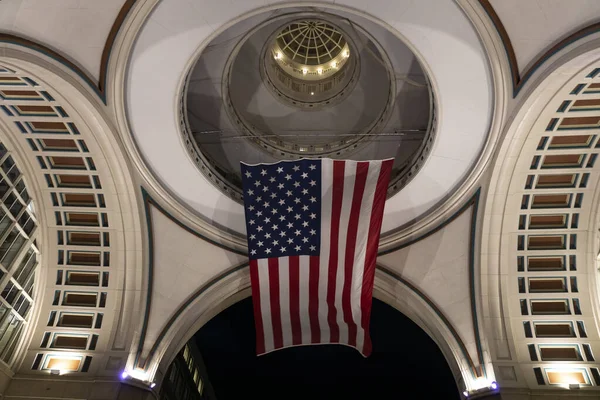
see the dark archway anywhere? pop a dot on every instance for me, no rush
(405, 364)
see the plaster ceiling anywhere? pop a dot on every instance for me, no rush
(76, 28)
(79, 28)
(176, 31)
(535, 25)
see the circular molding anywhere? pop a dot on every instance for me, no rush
(310, 87)
(426, 201)
(235, 286)
(285, 149)
(222, 180)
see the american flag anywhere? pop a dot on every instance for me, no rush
(313, 230)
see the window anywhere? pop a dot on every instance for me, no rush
(79, 299)
(75, 320)
(18, 254)
(549, 307)
(84, 258)
(78, 200)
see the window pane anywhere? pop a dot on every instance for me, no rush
(11, 247)
(22, 306)
(5, 222)
(8, 330)
(26, 267)
(10, 292)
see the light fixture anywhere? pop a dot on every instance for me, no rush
(136, 374)
(319, 71)
(466, 394)
(346, 54)
(304, 71)
(152, 385)
(334, 64)
(278, 56)
(55, 371)
(312, 93)
(494, 385)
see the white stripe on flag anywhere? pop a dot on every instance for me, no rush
(284, 300)
(265, 303)
(364, 222)
(326, 199)
(349, 180)
(304, 294)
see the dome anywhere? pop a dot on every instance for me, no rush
(313, 44)
(306, 85)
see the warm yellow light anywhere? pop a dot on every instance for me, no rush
(63, 363)
(312, 93)
(346, 54)
(334, 65)
(566, 377)
(278, 56)
(319, 71)
(304, 71)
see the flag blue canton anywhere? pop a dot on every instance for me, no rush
(283, 208)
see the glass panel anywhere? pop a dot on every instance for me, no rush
(26, 267)
(3, 311)
(13, 343)
(28, 286)
(11, 169)
(16, 199)
(4, 187)
(22, 306)
(26, 223)
(11, 248)
(13, 204)
(9, 292)
(5, 222)
(8, 330)
(22, 190)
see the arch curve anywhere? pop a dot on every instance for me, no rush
(234, 286)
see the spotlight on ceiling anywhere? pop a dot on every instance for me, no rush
(152, 385)
(466, 394)
(124, 375)
(319, 71)
(304, 71)
(494, 385)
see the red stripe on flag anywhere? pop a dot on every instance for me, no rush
(295, 299)
(275, 304)
(313, 300)
(372, 247)
(258, 323)
(337, 193)
(362, 169)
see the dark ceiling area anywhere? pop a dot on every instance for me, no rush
(405, 364)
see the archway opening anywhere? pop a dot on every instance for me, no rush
(406, 362)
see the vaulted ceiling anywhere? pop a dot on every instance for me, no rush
(489, 244)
